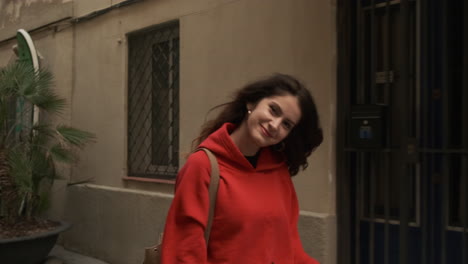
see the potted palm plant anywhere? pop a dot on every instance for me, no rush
(30, 153)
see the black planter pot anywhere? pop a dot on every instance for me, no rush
(30, 249)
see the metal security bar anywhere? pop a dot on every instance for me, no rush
(153, 102)
(403, 199)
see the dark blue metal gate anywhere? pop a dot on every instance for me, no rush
(403, 131)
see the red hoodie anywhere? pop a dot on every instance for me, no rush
(256, 210)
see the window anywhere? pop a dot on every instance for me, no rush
(153, 102)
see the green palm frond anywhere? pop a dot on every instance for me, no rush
(21, 80)
(61, 154)
(17, 79)
(49, 102)
(34, 151)
(43, 129)
(73, 136)
(40, 81)
(40, 93)
(21, 169)
(43, 165)
(9, 77)
(40, 140)
(25, 80)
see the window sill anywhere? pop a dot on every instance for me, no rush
(141, 179)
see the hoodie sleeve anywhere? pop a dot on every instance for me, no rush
(300, 257)
(183, 240)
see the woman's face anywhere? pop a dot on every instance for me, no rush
(272, 118)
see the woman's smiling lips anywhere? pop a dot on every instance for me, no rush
(265, 132)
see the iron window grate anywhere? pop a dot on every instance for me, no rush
(153, 102)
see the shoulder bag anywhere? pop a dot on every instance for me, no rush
(153, 254)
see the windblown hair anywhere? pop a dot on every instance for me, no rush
(303, 138)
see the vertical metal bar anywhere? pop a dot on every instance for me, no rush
(421, 75)
(463, 194)
(432, 178)
(411, 71)
(359, 99)
(387, 184)
(346, 203)
(423, 80)
(372, 186)
(372, 160)
(445, 128)
(360, 53)
(424, 208)
(344, 182)
(432, 128)
(445, 204)
(464, 161)
(386, 156)
(404, 215)
(358, 204)
(373, 54)
(403, 167)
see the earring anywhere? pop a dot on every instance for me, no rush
(249, 111)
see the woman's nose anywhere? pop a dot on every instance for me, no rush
(275, 123)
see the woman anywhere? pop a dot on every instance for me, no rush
(260, 140)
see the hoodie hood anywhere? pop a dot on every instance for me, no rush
(229, 155)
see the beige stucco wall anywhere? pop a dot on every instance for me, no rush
(225, 47)
(224, 44)
(222, 47)
(140, 216)
(31, 14)
(6, 53)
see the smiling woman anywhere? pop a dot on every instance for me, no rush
(268, 123)
(306, 134)
(260, 139)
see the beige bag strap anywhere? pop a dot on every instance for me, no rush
(214, 183)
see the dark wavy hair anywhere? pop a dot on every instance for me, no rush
(303, 138)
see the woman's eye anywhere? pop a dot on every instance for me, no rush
(274, 111)
(287, 125)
